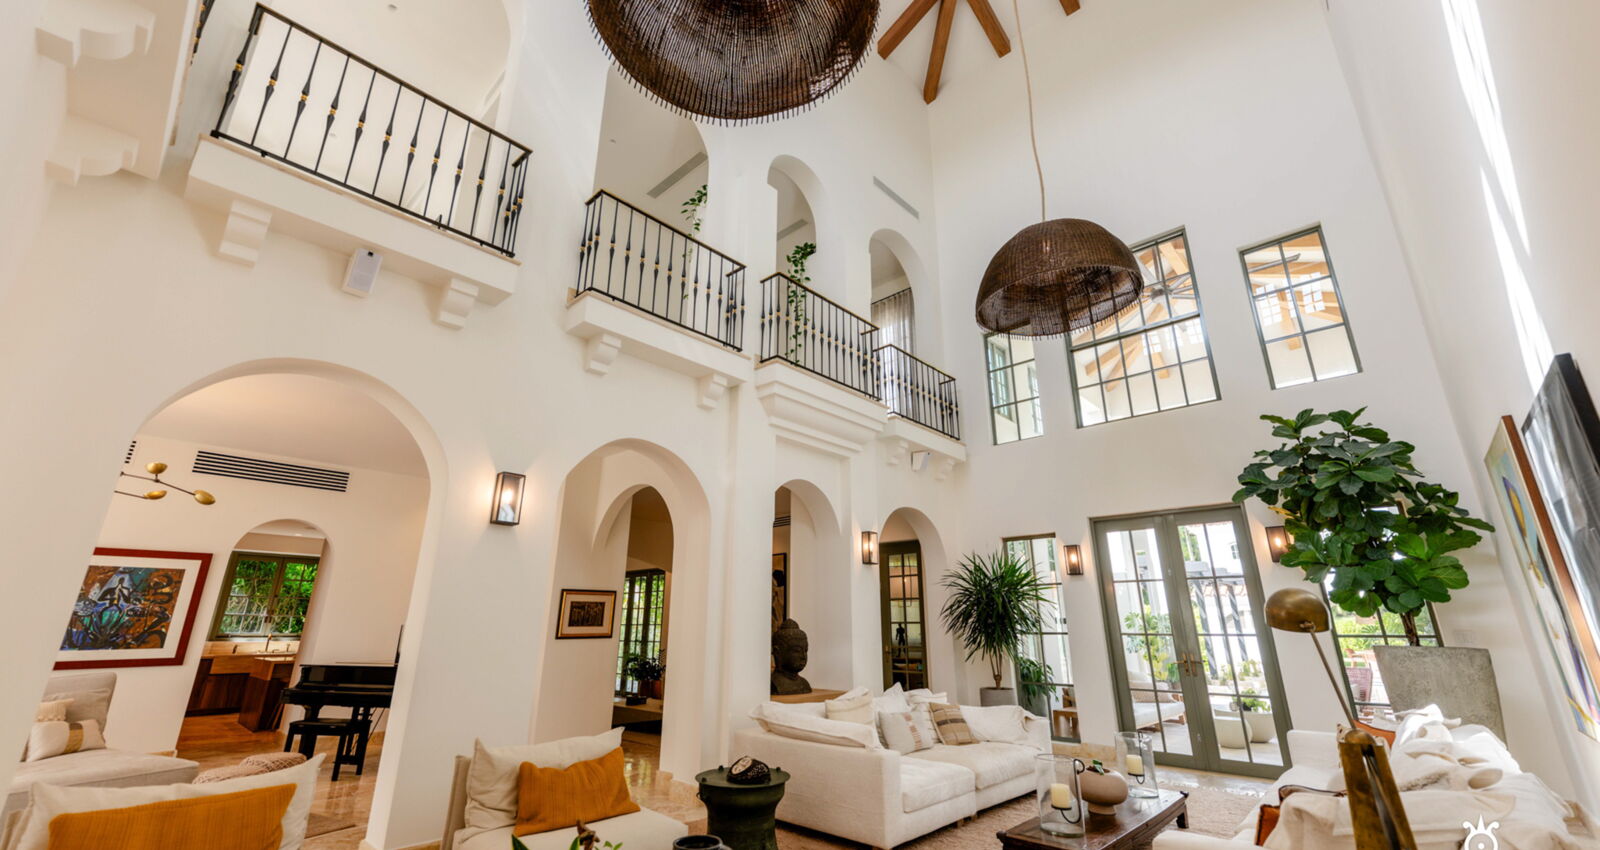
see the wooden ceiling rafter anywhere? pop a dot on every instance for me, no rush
(916, 10)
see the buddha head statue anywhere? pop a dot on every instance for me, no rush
(789, 652)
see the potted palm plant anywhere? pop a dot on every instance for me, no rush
(994, 602)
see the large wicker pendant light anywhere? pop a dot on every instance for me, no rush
(1059, 275)
(736, 61)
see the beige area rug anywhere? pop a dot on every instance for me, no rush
(1211, 812)
(321, 824)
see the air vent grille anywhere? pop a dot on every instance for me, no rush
(782, 521)
(270, 471)
(132, 446)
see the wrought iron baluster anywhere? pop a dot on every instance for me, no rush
(516, 210)
(361, 124)
(238, 68)
(433, 170)
(388, 136)
(483, 171)
(461, 162)
(305, 94)
(272, 83)
(411, 153)
(333, 109)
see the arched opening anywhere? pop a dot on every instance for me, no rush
(905, 297)
(912, 558)
(799, 235)
(323, 481)
(630, 581)
(810, 573)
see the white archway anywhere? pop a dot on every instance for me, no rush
(818, 581)
(892, 252)
(575, 690)
(803, 209)
(943, 656)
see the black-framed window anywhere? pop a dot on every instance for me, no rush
(1015, 413)
(644, 604)
(1044, 679)
(265, 596)
(1354, 637)
(1300, 317)
(1151, 356)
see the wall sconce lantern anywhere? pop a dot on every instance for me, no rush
(1073, 556)
(507, 506)
(1277, 542)
(869, 547)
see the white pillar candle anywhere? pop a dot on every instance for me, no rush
(1135, 765)
(1061, 796)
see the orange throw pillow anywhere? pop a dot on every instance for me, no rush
(1266, 822)
(243, 820)
(551, 798)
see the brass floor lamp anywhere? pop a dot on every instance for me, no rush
(1376, 812)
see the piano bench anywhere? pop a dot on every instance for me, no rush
(351, 732)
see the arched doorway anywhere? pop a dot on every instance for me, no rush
(800, 234)
(916, 651)
(297, 454)
(810, 575)
(634, 528)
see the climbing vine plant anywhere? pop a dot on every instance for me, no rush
(693, 212)
(796, 295)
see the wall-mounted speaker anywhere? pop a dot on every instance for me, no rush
(361, 274)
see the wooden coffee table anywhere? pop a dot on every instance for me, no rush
(1134, 826)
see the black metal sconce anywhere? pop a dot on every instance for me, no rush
(869, 547)
(1073, 556)
(507, 506)
(1277, 542)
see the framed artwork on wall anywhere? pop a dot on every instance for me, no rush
(587, 614)
(135, 608)
(780, 588)
(1544, 570)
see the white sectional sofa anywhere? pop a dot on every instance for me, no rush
(91, 694)
(882, 798)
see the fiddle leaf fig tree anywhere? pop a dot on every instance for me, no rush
(1357, 508)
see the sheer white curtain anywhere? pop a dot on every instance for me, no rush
(892, 315)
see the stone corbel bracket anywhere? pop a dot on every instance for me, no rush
(908, 444)
(108, 30)
(609, 328)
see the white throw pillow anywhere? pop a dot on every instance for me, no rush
(903, 734)
(804, 726)
(893, 701)
(51, 800)
(51, 710)
(492, 778)
(923, 696)
(1004, 723)
(58, 738)
(852, 707)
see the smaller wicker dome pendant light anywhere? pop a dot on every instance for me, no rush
(1059, 275)
(736, 61)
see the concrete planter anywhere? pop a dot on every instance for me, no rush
(1458, 679)
(997, 696)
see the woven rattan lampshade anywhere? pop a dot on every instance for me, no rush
(736, 61)
(1055, 277)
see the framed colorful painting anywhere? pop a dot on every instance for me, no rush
(587, 614)
(135, 608)
(1544, 572)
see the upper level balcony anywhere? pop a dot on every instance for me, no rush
(313, 137)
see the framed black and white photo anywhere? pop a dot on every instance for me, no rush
(587, 614)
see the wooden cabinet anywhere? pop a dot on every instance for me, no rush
(222, 682)
(262, 703)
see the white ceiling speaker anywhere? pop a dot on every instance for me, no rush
(361, 274)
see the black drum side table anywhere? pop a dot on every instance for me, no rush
(743, 816)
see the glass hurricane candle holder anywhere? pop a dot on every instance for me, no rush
(1136, 757)
(1060, 801)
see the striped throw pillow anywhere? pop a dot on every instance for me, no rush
(951, 725)
(59, 737)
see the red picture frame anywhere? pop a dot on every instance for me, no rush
(202, 562)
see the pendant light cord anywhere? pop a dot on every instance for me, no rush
(1027, 77)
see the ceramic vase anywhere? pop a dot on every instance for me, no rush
(1103, 791)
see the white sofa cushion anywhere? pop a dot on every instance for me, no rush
(102, 768)
(852, 707)
(925, 783)
(492, 779)
(991, 762)
(641, 830)
(1004, 723)
(50, 801)
(907, 731)
(780, 719)
(892, 700)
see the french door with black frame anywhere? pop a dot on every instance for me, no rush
(905, 646)
(1193, 666)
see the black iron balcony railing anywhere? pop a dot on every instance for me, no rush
(808, 330)
(915, 390)
(634, 257)
(299, 99)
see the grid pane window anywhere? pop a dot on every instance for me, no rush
(1299, 315)
(1013, 388)
(1151, 356)
(1356, 636)
(1045, 678)
(267, 596)
(644, 603)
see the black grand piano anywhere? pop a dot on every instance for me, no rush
(362, 688)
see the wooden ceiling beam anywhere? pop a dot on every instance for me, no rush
(941, 42)
(991, 26)
(903, 25)
(1069, 6)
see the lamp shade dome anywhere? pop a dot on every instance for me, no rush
(736, 61)
(1055, 277)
